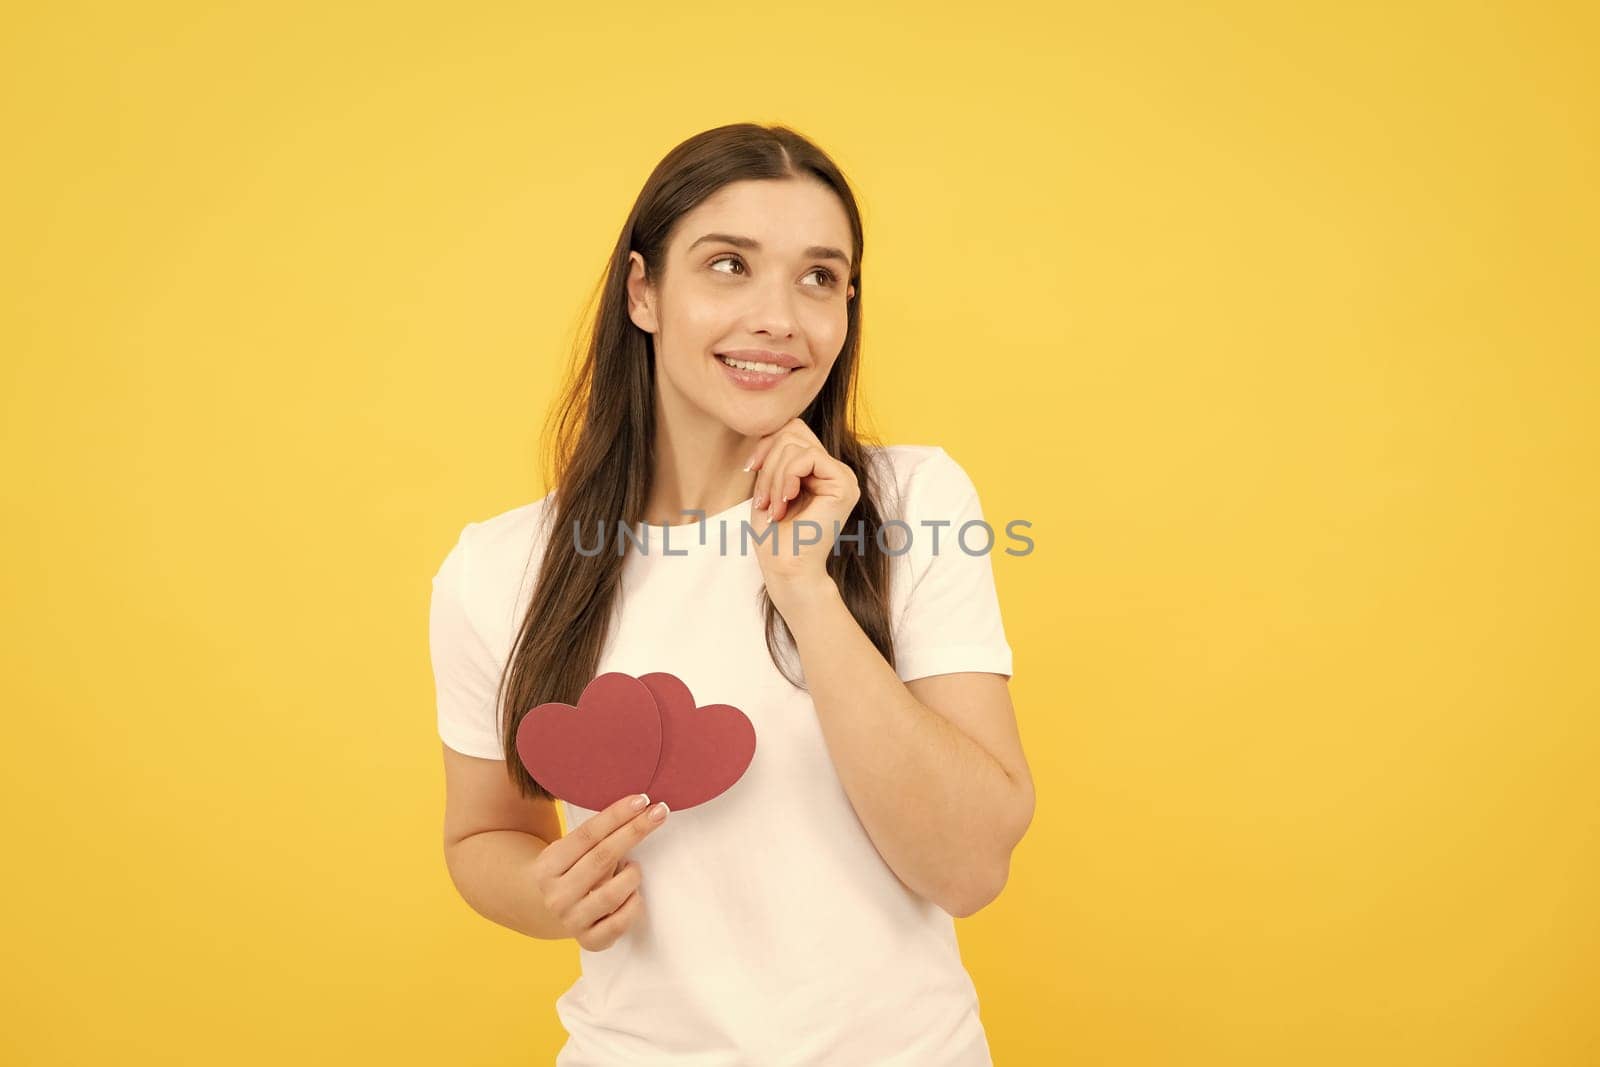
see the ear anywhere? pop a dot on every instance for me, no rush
(641, 296)
(850, 293)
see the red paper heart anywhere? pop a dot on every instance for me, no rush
(703, 750)
(596, 753)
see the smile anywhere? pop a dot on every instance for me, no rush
(756, 366)
(753, 375)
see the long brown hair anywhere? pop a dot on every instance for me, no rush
(600, 437)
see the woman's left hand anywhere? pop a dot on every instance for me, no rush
(799, 483)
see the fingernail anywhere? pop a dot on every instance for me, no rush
(658, 812)
(761, 500)
(640, 801)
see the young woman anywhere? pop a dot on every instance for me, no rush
(803, 916)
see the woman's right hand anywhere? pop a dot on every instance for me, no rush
(583, 877)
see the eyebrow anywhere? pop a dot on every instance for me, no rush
(752, 245)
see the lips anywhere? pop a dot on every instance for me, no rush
(635, 735)
(763, 355)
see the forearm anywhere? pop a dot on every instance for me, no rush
(493, 873)
(930, 797)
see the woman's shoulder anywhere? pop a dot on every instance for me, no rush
(492, 553)
(912, 474)
(909, 461)
(515, 527)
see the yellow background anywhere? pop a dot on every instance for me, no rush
(1277, 321)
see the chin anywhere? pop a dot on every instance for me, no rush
(754, 423)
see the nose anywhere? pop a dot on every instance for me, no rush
(772, 309)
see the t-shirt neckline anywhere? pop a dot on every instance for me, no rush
(685, 537)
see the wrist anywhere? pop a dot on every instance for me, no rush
(803, 593)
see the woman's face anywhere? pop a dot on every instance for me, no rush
(751, 274)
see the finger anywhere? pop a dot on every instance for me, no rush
(813, 471)
(764, 447)
(598, 863)
(796, 466)
(763, 497)
(606, 897)
(785, 479)
(772, 444)
(797, 429)
(766, 481)
(794, 428)
(569, 849)
(834, 477)
(606, 932)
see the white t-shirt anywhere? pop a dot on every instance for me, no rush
(773, 933)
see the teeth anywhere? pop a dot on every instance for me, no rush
(759, 368)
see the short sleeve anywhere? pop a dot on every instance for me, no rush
(949, 615)
(466, 676)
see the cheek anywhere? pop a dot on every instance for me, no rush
(698, 307)
(826, 330)
(697, 322)
(690, 330)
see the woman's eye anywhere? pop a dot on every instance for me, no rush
(828, 277)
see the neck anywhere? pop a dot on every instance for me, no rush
(697, 468)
